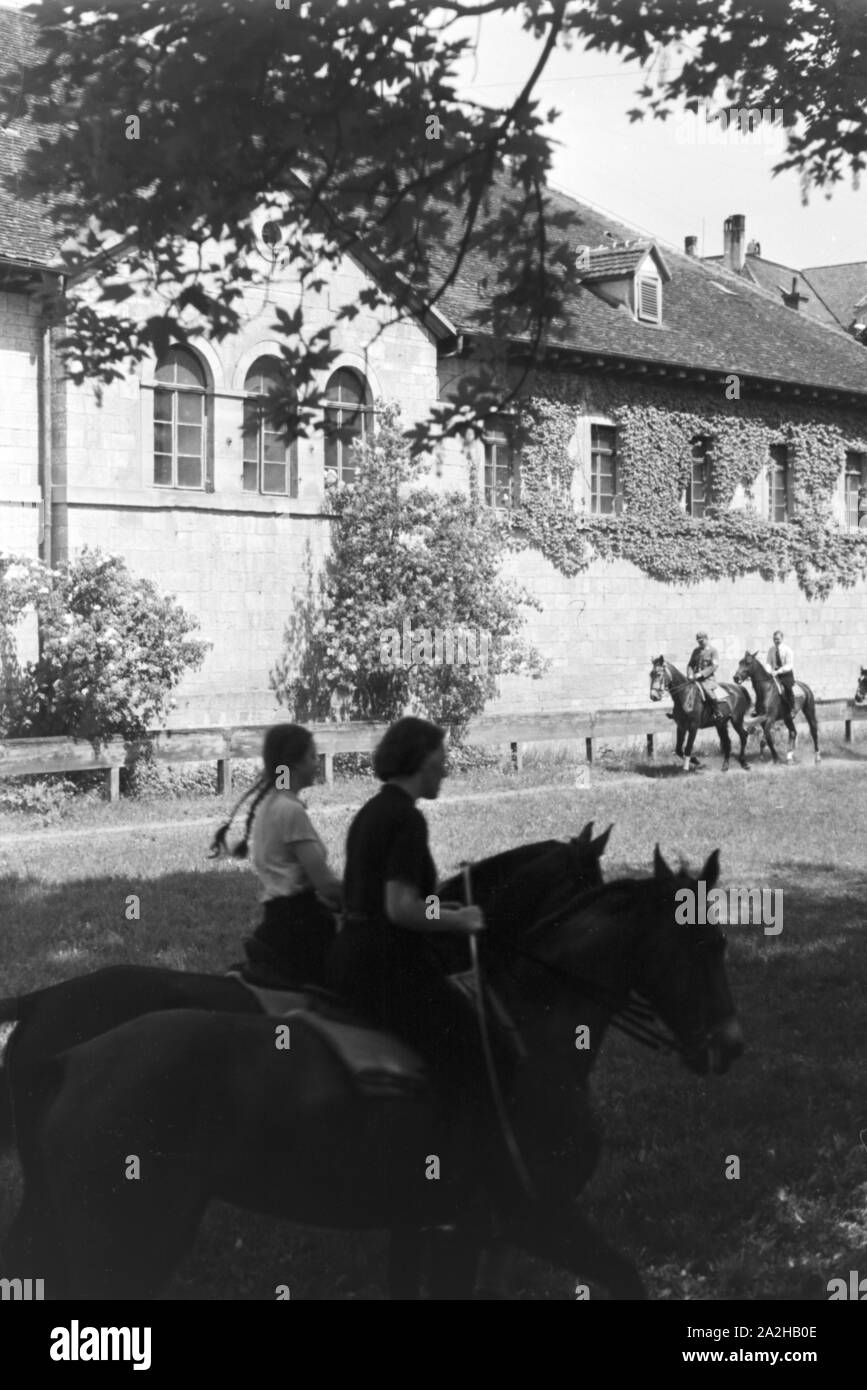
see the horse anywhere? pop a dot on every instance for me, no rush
(861, 688)
(691, 713)
(516, 884)
(770, 705)
(214, 1109)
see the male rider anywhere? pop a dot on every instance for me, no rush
(703, 665)
(781, 661)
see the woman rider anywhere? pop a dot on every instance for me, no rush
(298, 891)
(383, 960)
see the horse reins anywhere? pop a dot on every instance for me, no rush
(499, 1105)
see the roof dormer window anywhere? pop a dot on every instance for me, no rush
(648, 298)
(628, 275)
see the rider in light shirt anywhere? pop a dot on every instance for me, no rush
(781, 661)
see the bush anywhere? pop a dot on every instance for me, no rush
(112, 649)
(404, 559)
(48, 797)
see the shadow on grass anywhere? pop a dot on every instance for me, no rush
(791, 1111)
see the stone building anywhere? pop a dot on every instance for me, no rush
(159, 466)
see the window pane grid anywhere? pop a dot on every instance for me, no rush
(855, 479)
(501, 478)
(179, 422)
(603, 470)
(778, 490)
(697, 486)
(270, 466)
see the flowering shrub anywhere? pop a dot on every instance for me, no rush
(112, 649)
(401, 553)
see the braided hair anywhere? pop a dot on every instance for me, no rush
(284, 746)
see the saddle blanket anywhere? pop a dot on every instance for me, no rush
(380, 1063)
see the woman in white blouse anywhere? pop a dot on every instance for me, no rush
(298, 891)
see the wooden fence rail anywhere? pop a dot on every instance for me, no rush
(31, 756)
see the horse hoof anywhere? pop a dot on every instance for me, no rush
(725, 767)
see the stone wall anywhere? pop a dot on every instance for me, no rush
(601, 628)
(233, 558)
(19, 427)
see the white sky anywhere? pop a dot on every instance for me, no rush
(640, 172)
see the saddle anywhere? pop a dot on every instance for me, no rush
(379, 1063)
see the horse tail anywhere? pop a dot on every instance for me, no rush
(810, 713)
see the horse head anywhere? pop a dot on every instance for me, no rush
(683, 967)
(660, 679)
(861, 688)
(746, 667)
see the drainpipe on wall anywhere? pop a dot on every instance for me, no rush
(46, 476)
(53, 547)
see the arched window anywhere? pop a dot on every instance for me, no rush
(270, 464)
(180, 420)
(348, 417)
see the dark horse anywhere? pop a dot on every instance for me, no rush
(517, 885)
(691, 713)
(770, 705)
(214, 1110)
(861, 688)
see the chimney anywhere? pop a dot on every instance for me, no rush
(734, 232)
(754, 248)
(690, 245)
(793, 299)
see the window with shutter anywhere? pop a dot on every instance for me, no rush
(648, 300)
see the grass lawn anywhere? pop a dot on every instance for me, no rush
(792, 1110)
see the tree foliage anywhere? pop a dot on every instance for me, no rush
(402, 556)
(344, 120)
(112, 649)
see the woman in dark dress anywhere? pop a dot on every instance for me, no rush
(383, 960)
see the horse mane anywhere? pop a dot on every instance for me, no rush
(760, 661)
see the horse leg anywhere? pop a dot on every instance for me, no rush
(29, 1252)
(726, 744)
(742, 735)
(678, 747)
(690, 744)
(569, 1240)
(404, 1262)
(121, 1244)
(767, 729)
(809, 708)
(454, 1261)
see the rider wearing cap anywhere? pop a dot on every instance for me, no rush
(703, 666)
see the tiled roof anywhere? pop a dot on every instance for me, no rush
(841, 287)
(26, 231)
(712, 319)
(774, 277)
(606, 262)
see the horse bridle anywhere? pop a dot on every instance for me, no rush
(631, 1016)
(668, 684)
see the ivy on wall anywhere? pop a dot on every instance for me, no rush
(656, 427)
